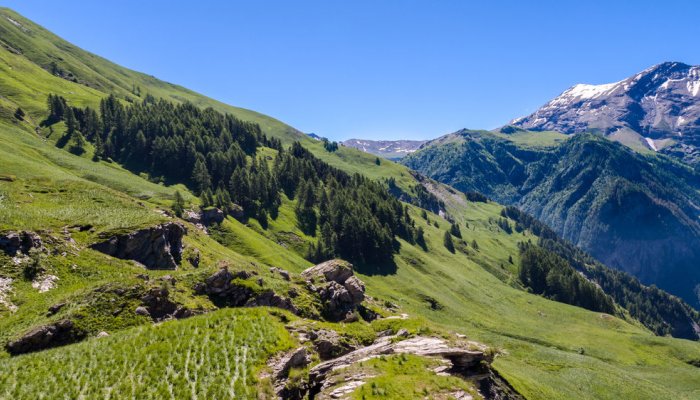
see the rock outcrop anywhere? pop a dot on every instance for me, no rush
(234, 289)
(340, 290)
(156, 303)
(211, 216)
(158, 247)
(19, 242)
(329, 344)
(53, 335)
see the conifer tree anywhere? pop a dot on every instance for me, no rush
(178, 204)
(447, 241)
(454, 230)
(200, 175)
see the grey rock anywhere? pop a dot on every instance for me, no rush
(20, 242)
(212, 216)
(329, 344)
(333, 270)
(57, 334)
(56, 308)
(342, 291)
(141, 310)
(294, 359)
(158, 247)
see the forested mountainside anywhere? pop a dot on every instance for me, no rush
(631, 211)
(200, 275)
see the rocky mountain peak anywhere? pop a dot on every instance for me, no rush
(660, 104)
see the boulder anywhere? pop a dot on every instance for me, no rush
(158, 304)
(333, 270)
(57, 334)
(356, 289)
(212, 216)
(296, 358)
(141, 310)
(55, 308)
(342, 291)
(237, 212)
(158, 247)
(19, 242)
(329, 344)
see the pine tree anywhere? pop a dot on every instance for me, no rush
(420, 238)
(71, 123)
(454, 230)
(200, 175)
(178, 204)
(447, 241)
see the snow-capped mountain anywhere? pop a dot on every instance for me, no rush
(661, 104)
(392, 149)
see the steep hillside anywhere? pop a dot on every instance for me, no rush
(657, 109)
(633, 212)
(68, 203)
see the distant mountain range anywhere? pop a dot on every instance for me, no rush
(391, 149)
(657, 109)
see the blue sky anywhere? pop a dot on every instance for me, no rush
(380, 69)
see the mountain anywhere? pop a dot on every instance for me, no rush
(142, 224)
(391, 149)
(633, 212)
(658, 109)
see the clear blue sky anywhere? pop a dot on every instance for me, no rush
(380, 69)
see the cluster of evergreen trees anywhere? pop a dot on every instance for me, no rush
(216, 155)
(659, 311)
(548, 274)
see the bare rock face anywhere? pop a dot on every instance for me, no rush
(53, 335)
(342, 292)
(158, 247)
(19, 242)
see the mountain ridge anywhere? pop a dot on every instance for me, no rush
(391, 149)
(660, 106)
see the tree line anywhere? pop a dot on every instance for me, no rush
(216, 155)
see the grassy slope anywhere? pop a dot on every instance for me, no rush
(541, 340)
(215, 356)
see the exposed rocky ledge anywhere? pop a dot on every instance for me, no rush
(468, 360)
(158, 247)
(53, 335)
